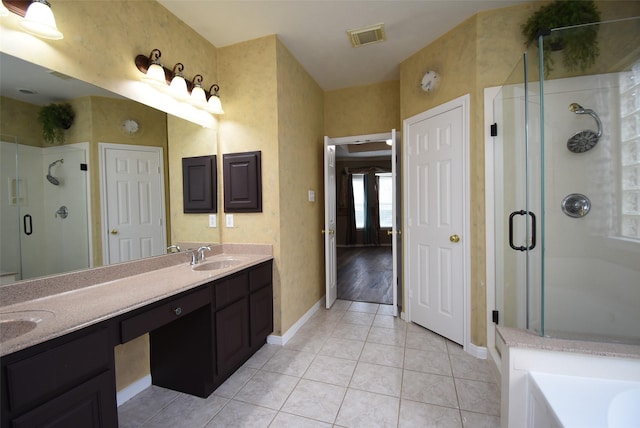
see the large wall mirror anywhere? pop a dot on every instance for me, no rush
(51, 214)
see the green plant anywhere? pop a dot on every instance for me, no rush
(55, 118)
(579, 45)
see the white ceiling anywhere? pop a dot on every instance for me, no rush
(315, 31)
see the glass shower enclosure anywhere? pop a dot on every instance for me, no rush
(567, 190)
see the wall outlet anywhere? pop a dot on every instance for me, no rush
(213, 220)
(229, 220)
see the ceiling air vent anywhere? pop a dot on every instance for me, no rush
(367, 35)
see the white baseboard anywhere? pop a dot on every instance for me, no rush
(272, 339)
(132, 390)
(476, 351)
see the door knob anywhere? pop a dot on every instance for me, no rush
(114, 232)
(389, 232)
(454, 238)
(331, 231)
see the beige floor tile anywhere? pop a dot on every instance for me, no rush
(341, 305)
(478, 420)
(336, 371)
(425, 340)
(429, 388)
(367, 410)
(385, 310)
(315, 400)
(371, 308)
(235, 383)
(387, 336)
(351, 331)
(386, 355)
(377, 378)
(469, 367)
(289, 362)
(245, 415)
(479, 397)
(306, 342)
(389, 321)
(362, 318)
(187, 411)
(144, 406)
(286, 420)
(342, 348)
(263, 355)
(267, 389)
(414, 414)
(427, 361)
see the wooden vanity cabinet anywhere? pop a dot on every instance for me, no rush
(65, 382)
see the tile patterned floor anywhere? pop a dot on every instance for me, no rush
(352, 366)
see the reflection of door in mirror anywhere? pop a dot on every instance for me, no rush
(37, 239)
(133, 202)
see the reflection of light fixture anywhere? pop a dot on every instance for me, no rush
(178, 86)
(39, 21)
(389, 142)
(214, 105)
(154, 74)
(198, 96)
(3, 9)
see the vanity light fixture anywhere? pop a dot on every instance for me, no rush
(214, 105)
(198, 96)
(178, 86)
(154, 74)
(39, 21)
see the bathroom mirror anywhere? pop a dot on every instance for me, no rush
(114, 120)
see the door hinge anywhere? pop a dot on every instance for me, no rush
(494, 129)
(494, 316)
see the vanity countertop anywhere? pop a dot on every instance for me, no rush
(70, 310)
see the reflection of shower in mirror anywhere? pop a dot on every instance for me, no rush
(53, 180)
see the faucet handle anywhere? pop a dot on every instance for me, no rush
(173, 247)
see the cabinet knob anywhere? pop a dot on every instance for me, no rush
(177, 311)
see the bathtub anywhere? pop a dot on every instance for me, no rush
(582, 402)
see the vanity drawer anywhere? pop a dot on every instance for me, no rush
(260, 276)
(231, 289)
(163, 314)
(56, 370)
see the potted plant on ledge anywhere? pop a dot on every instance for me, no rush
(55, 118)
(579, 46)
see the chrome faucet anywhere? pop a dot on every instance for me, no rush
(201, 257)
(171, 248)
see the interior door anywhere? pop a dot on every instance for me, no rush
(396, 242)
(435, 217)
(133, 202)
(330, 256)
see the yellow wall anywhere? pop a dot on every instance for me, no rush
(300, 156)
(361, 110)
(20, 119)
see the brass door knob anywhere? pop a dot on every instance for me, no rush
(389, 232)
(454, 238)
(331, 231)
(114, 232)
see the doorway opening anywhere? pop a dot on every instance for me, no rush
(364, 195)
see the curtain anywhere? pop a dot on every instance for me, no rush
(351, 212)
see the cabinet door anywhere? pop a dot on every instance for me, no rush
(91, 404)
(261, 305)
(232, 335)
(200, 184)
(242, 182)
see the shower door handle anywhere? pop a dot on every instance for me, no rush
(27, 223)
(533, 230)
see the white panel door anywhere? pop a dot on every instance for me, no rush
(133, 187)
(330, 256)
(435, 223)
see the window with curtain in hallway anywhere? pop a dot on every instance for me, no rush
(385, 194)
(358, 199)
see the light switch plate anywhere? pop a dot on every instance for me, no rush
(229, 220)
(213, 220)
(312, 196)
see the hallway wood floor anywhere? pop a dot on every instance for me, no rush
(365, 274)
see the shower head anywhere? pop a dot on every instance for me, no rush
(53, 180)
(584, 141)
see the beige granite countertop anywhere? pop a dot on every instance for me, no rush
(517, 338)
(73, 301)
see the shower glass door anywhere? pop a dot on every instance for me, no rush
(516, 111)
